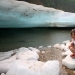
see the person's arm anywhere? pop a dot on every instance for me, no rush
(71, 45)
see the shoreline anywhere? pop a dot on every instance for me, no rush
(54, 54)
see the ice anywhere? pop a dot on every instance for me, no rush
(64, 46)
(34, 68)
(5, 64)
(34, 49)
(5, 55)
(17, 14)
(69, 62)
(28, 55)
(66, 53)
(24, 61)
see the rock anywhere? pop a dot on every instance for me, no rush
(57, 46)
(43, 52)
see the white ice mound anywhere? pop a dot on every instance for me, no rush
(66, 53)
(20, 54)
(5, 64)
(28, 55)
(69, 62)
(15, 13)
(64, 46)
(5, 55)
(34, 68)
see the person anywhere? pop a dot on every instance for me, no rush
(72, 44)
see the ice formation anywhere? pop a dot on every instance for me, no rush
(34, 68)
(24, 61)
(15, 13)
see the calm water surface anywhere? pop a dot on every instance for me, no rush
(15, 38)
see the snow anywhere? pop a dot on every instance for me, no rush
(17, 14)
(34, 68)
(25, 62)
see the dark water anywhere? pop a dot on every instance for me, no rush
(15, 38)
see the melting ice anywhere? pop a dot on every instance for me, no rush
(22, 14)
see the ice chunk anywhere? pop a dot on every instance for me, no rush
(69, 62)
(34, 68)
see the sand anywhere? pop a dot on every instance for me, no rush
(55, 54)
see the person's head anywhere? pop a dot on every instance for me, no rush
(73, 34)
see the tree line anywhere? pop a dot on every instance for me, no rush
(65, 5)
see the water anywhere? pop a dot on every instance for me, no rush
(15, 38)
